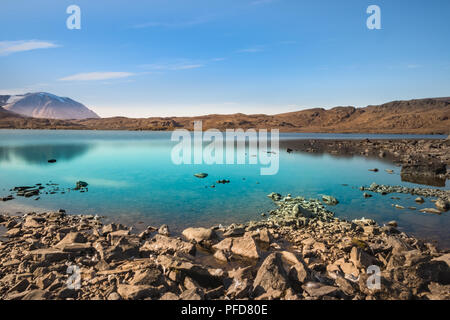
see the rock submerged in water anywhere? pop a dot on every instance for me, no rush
(274, 196)
(442, 204)
(201, 175)
(430, 210)
(51, 161)
(223, 181)
(419, 200)
(80, 185)
(7, 198)
(393, 223)
(330, 200)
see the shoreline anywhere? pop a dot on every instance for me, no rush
(423, 161)
(301, 251)
(431, 133)
(298, 251)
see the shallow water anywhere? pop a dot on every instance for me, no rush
(132, 179)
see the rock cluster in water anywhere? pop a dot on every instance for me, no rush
(442, 203)
(300, 252)
(39, 189)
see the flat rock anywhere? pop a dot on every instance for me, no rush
(163, 244)
(33, 222)
(199, 234)
(136, 292)
(318, 290)
(206, 277)
(242, 246)
(430, 210)
(72, 237)
(192, 294)
(149, 276)
(49, 255)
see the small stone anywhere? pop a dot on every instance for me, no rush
(392, 223)
(419, 200)
(114, 296)
(164, 230)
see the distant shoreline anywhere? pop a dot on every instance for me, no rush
(433, 136)
(423, 116)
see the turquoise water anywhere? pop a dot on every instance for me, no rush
(132, 179)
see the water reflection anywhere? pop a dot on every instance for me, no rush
(40, 154)
(424, 180)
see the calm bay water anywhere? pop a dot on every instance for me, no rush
(132, 179)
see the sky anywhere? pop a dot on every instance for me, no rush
(182, 58)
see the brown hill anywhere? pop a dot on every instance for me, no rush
(426, 116)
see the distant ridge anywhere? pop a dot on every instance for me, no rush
(8, 114)
(420, 116)
(46, 105)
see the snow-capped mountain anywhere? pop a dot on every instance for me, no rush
(46, 105)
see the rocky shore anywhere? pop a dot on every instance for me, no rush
(422, 161)
(300, 251)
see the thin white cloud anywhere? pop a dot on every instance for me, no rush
(31, 88)
(10, 47)
(178, 24)
(173, 66)
(95, 76)
(251, 49)
(188, 66)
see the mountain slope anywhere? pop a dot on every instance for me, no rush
(422, 116)
(46, 105)
(8, 114)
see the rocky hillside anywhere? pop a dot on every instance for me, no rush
(415, 116)
(424, 116)
(47, 106)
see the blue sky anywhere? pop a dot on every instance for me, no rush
(178, 57)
